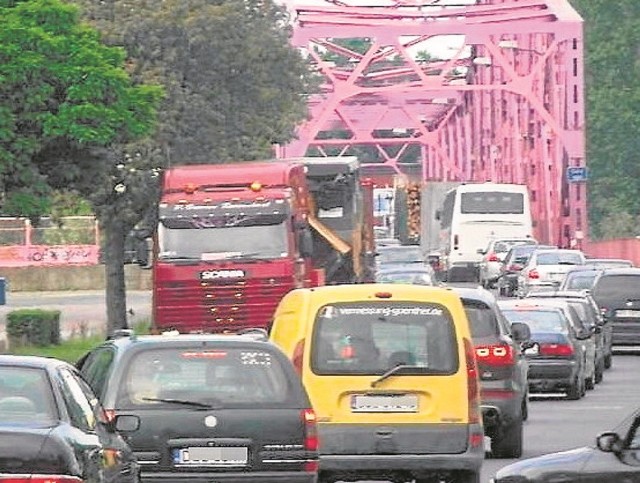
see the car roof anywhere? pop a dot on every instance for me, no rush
(522, 305)
(585, 268)
(31, 361)
(250, 338)
(620, 271)
(477, 293)
(406, 268)
(574, 294)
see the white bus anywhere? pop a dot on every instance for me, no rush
(474, 214)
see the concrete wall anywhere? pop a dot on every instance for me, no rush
(92, 277)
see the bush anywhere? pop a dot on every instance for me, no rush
(33, 327)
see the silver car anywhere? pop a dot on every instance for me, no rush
(546, 269)
(493, 256)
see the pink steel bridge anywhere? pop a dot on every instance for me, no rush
(503, 103)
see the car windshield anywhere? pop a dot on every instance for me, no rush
(559, 258)
(220, 378)
(400, 254)
(482, 320)
(417, 278)
(26, 396)
(539, 321)
(372, 337)
(258, 241)
(616, 287)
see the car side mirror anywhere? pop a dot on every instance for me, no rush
(126, 422)
(597, 329)
(520, 332)
(480, 251)
(609, 442)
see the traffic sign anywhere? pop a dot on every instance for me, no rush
(577, 174)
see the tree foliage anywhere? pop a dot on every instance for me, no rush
(62, 95)
(612, 65)
(234, 84)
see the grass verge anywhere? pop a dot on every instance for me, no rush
(71, 350)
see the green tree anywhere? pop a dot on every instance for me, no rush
(65, 101)
(612, 36)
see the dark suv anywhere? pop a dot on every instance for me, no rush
(502, 368)
(203, 408)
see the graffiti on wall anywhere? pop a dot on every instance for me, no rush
(48, 255)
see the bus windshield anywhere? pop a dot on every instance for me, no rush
(491, 202)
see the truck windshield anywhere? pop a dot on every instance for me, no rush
(259, 241)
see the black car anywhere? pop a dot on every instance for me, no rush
(613, 459)
(590, 313)
(554, 352)
(207, 408)
(617, 293)
(515, 260)
(502, 368)
(53, 429)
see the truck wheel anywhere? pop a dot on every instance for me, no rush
(509, 443)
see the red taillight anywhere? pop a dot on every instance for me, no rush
(298, 354)
(473, 390)
(40, 479)
(492, 257)
(561, 350)
(495, 355)
(310, 429)
(533, 273)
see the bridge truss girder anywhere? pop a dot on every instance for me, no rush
(507, 105)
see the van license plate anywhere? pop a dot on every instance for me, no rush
(211, 456)
(384, 403)
(627, 313)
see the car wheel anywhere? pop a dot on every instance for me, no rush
(509, 443)
(600, 371)
(576, 390)
(590, 383)
(525, 408)
(608, 361)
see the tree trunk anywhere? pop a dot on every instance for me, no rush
(116, 300)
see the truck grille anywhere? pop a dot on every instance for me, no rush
(219, 306)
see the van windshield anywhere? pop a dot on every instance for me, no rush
(370, 338)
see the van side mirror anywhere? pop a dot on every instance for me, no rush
(127, 422)
(520, 332)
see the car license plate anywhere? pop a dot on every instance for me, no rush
(628, 313)
(211, 456)
(534, 350)
(384, 403)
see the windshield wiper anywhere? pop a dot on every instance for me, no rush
(393, 371)
(184, 402)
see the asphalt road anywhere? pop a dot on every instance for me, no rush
(554, 423)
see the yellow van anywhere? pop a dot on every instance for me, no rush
(391, 373)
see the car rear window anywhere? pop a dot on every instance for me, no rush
(559, 258)
(372, 337)
(581, 281)
(539, 321)
(617, 287)
(222, 378)
(25, 396)
(400, 255)
(482, 320)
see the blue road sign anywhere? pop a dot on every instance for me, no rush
(577, 174)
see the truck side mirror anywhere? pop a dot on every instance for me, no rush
(305, 240)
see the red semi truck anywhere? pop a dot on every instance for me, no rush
(232, 239)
